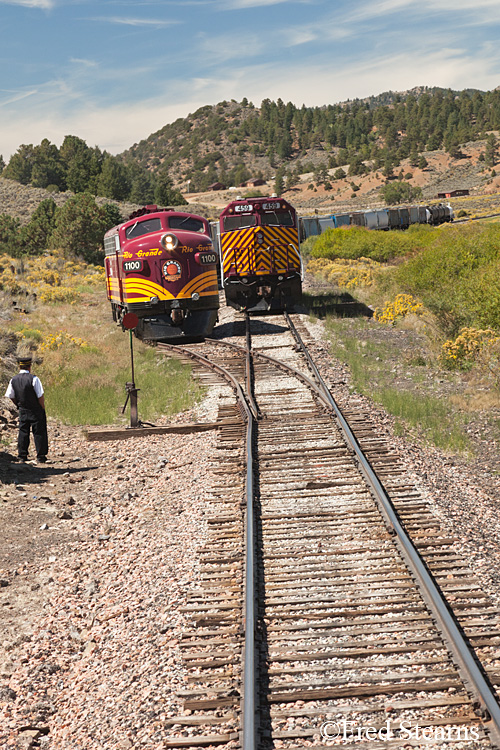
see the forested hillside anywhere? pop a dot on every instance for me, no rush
(79, 168)
(233, 141)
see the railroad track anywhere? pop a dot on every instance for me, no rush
(353, 622)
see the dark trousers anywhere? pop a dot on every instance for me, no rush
(37, 422)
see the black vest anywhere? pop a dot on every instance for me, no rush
(25, 393)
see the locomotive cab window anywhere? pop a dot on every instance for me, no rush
(143, 227)
(284, 219)
(186, 222)
(238, 222)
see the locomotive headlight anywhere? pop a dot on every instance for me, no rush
(195, 296)
(154, 300)
(169, 241)
(280, 278)
(244, 280)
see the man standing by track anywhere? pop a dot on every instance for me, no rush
(26, 391)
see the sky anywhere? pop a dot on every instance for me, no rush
(114, 71)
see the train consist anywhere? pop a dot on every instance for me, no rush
(161, 265)
(259, 246)
(383, 218)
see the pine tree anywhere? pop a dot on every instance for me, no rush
(35, 236)
(164, 192)
(77, 159)
(79, 229)
(10, 238)
(279, 181)
(491, 152)
(20, 165)
(48, 168)
(113, 180)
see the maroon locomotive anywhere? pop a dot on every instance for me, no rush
(161, 265)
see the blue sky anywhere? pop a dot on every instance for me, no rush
(113, 72)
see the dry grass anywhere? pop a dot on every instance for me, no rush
(85, 371)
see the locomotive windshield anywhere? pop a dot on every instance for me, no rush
(282, 219)
(237, 222)
(188, 223)
(143, 227)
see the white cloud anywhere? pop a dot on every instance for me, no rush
(127, 21)
(15, 96)
(84, 63)
(424, 8)
(43, 4)
(241, 4)
(219, 49)
(58, 109)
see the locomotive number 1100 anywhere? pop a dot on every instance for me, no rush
(132, 265)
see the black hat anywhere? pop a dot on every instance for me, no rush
(25, 360)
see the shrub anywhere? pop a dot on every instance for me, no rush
(403, 305)
(346, 274)
(468, 347)
(358, 242)
(465, 264)
(50, 277)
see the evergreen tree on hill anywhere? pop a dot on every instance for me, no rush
(113, 180)
(82, 164)
(80, 225)
(48, 168)
(35, 236)
(141, 185)
(164, 192)
(491, 152)
(20, 165)
(10, 241)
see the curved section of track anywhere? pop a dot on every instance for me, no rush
(350, 629)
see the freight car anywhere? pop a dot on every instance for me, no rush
(161, 265)
(261, 267)
(383, 218)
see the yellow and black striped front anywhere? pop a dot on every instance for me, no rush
(262, 250)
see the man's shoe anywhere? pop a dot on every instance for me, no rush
(42, 460)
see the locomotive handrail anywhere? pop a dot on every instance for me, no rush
(302, 272)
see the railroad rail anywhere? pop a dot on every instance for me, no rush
(348, 593)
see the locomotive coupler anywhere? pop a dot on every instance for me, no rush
(177, 316)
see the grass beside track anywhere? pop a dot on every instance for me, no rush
(86, 363)
(402, 382)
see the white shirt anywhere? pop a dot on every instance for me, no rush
(9, 393)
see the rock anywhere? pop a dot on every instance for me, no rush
(7, 694)
(92, 588)
(90, 647)
(44, 527)
(65, 515)
(4, 583)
